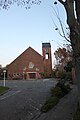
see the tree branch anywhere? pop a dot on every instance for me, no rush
(62, 34)
(62, 2)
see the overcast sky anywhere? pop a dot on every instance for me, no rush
(21, 28)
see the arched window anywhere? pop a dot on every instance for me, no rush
(47, 56)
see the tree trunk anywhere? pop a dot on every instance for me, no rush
(77, 5)
(75, 42)
(74, 25)
(77, 72)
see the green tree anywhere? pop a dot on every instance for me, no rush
(68, 67)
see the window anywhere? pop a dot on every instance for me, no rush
(47, 56)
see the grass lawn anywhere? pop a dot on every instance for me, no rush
(3, 89)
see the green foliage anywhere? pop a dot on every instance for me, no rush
(68, 67)
(54, 73)
(77, 115)
(59, 74)
(68, 76)
(64, 88)
(56, 91)
(3, 89)
(50, 103)
(60, 83)
(62, 75)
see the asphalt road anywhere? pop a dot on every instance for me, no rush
(24, 99)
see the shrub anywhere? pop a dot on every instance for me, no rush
(77, 115)
(56, 91)
(63, 75)
(50, 103)
(64, 88)
(60, 83)
(58, 74)
(68, 76)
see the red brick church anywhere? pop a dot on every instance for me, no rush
(31, 65)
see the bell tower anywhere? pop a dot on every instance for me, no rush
(47, 59)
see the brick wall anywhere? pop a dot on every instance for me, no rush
(47, 62)
(21, 63)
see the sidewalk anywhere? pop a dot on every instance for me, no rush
(64, 110)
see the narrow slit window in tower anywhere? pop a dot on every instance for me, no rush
(47, 56)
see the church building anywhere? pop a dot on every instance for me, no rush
(31, 65)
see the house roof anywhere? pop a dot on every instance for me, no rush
(31, 49)
(27, 51)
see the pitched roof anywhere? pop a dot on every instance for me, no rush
(27, 51)
(33, 50)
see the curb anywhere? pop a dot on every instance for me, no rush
(4, 92)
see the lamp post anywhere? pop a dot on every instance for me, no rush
(23, 75)
(4, 71)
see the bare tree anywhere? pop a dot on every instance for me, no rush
(5, 4)
(61, 28)
(72, 7)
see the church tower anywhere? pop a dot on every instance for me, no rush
(47, 59)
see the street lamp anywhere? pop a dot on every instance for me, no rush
(4, 71)
(23, 75)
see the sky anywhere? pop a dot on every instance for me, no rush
(21, 28)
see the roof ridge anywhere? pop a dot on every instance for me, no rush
(24, 52)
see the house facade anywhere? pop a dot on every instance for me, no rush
(31, 65)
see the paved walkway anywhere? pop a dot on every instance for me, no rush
(64, 110)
